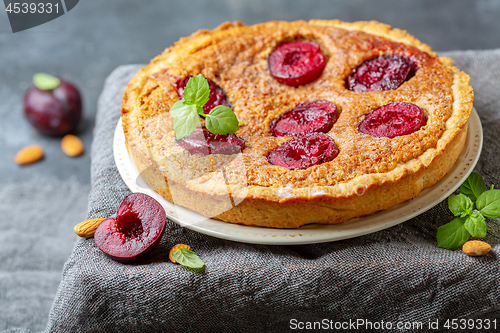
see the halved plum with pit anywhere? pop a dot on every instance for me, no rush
(202, 142)
(304, 151)
(381, 73)
(135, 231)
(296, 63)
(391, 120)
(217, 95)
(306, 118)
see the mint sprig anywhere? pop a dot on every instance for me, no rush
(470, 221)
(188, 259)
(221, 120)
(187, 112)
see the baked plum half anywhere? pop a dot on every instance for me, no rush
(217, 95)
(296, 63)
(391, 120)
(381, 73)
(306, 118)
(304, 151)
(202, 142)
(135, 231)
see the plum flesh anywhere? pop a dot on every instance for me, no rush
(304, 151)
(306, 118)
(202, 142)
(296, 63)
(135, 231)
(393, 119)
(381, 73)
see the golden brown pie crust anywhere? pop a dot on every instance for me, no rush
(368, 175)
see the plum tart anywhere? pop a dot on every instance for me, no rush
(340, 120)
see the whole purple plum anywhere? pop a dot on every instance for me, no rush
(52, 105)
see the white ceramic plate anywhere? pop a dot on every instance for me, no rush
(312, 233)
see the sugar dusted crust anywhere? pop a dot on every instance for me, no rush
(368, 175)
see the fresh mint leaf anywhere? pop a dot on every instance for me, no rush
(45, 81)
(473, 186)
(200, 110)
(188, 258)
(488, 204)
(452, 234)
(221, 120)
(476, 224)
(197, 91)
(460, 205)
(185, 121)
(179, 107)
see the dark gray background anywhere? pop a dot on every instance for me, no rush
(86, 44)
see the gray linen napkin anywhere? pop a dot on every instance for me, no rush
(395, 275)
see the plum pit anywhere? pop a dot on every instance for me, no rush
(129, 225)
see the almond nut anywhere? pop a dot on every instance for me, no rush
(476, 248)
(175, 248)
(72, 145)
(87, 228)
(29, 154)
